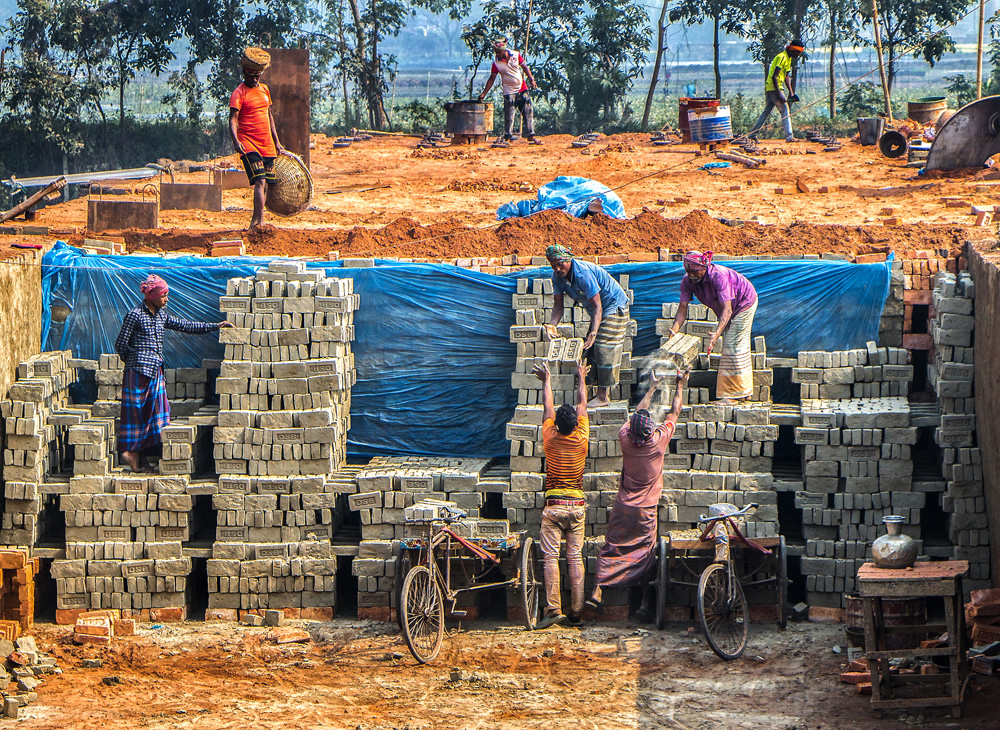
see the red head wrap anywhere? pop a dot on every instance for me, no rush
(698, 259)
(153, 287)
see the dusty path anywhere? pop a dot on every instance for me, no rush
(358, 674)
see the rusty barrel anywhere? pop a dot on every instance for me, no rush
(895, 612)
(926, 110)
(468, 118)
(687, 103)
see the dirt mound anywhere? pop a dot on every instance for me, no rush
(647, 232)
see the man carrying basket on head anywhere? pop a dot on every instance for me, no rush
(251, 126)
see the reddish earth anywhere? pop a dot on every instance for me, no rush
(358, 674)
(385, 198)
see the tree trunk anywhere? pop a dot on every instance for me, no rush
(715, 57)
(660, 30)
(375, 85)
(121, 112)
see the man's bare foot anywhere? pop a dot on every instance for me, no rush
(144, 466)
(131, 458)
(596, 402)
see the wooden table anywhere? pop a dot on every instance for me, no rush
(942, 579)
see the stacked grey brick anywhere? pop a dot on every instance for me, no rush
(284, 385)
(856, 439)
(952, 376)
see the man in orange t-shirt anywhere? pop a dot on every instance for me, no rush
(251, 126)
(566, 441)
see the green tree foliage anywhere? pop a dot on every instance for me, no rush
(727, 16)
(910, 27)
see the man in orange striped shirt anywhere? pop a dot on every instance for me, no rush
(566, 440)
(251, 126)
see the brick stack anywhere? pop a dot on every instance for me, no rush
(123, 546)
(952, 376)
(37, 415)
(857, 467)
(869, 373)
(389, 485)
(918, 279)
(284, 386)
(299, 577)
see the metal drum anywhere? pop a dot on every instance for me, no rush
(468, 119)
(926, 110)
(686, 104)
(710, 125)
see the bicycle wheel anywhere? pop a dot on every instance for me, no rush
(423, 614)
(661, 581)
(722, 611)
(531, 587)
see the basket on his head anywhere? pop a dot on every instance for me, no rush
(255, 59)
(294, 190)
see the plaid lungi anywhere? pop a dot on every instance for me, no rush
(736, 364)
(145, 411)
(627, 555)
(606, 354)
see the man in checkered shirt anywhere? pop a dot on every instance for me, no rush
(145, 408)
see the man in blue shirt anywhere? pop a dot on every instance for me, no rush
(145, 408)
(606, 303)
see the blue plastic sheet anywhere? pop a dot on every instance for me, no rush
(572, 194)
(432, 342)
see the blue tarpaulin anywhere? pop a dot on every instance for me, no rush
(432, 342)
(572, 194)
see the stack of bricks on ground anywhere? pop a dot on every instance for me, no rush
(260, 491)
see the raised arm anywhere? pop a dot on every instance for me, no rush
(675, 407)
(647, 400)
(581, 389)
(542, 373)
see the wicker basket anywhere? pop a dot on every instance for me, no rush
(255, 59)
(294, 190)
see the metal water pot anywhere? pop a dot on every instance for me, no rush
(894, 549)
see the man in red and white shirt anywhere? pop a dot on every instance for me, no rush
(512, 69)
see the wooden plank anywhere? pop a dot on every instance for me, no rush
(907, 590)
(944, 569)
(912, 703)
(898, 653)
(28, 203)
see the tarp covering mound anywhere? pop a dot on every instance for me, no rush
(572, 194)
(432, 342)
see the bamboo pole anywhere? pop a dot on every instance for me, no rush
(881, 64)
(979, 50)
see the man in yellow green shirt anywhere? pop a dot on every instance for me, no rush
(775, 84)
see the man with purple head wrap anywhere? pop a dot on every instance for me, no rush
(627, 556)
(145, 408)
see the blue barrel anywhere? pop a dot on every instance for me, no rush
(710, 125)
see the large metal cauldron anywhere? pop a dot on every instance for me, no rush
(469, 119)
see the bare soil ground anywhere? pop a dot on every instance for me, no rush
(358, 674)
(429, 203)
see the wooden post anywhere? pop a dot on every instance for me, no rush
(979, 50)
(881, 65)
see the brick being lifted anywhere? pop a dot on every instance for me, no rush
(285, 383)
